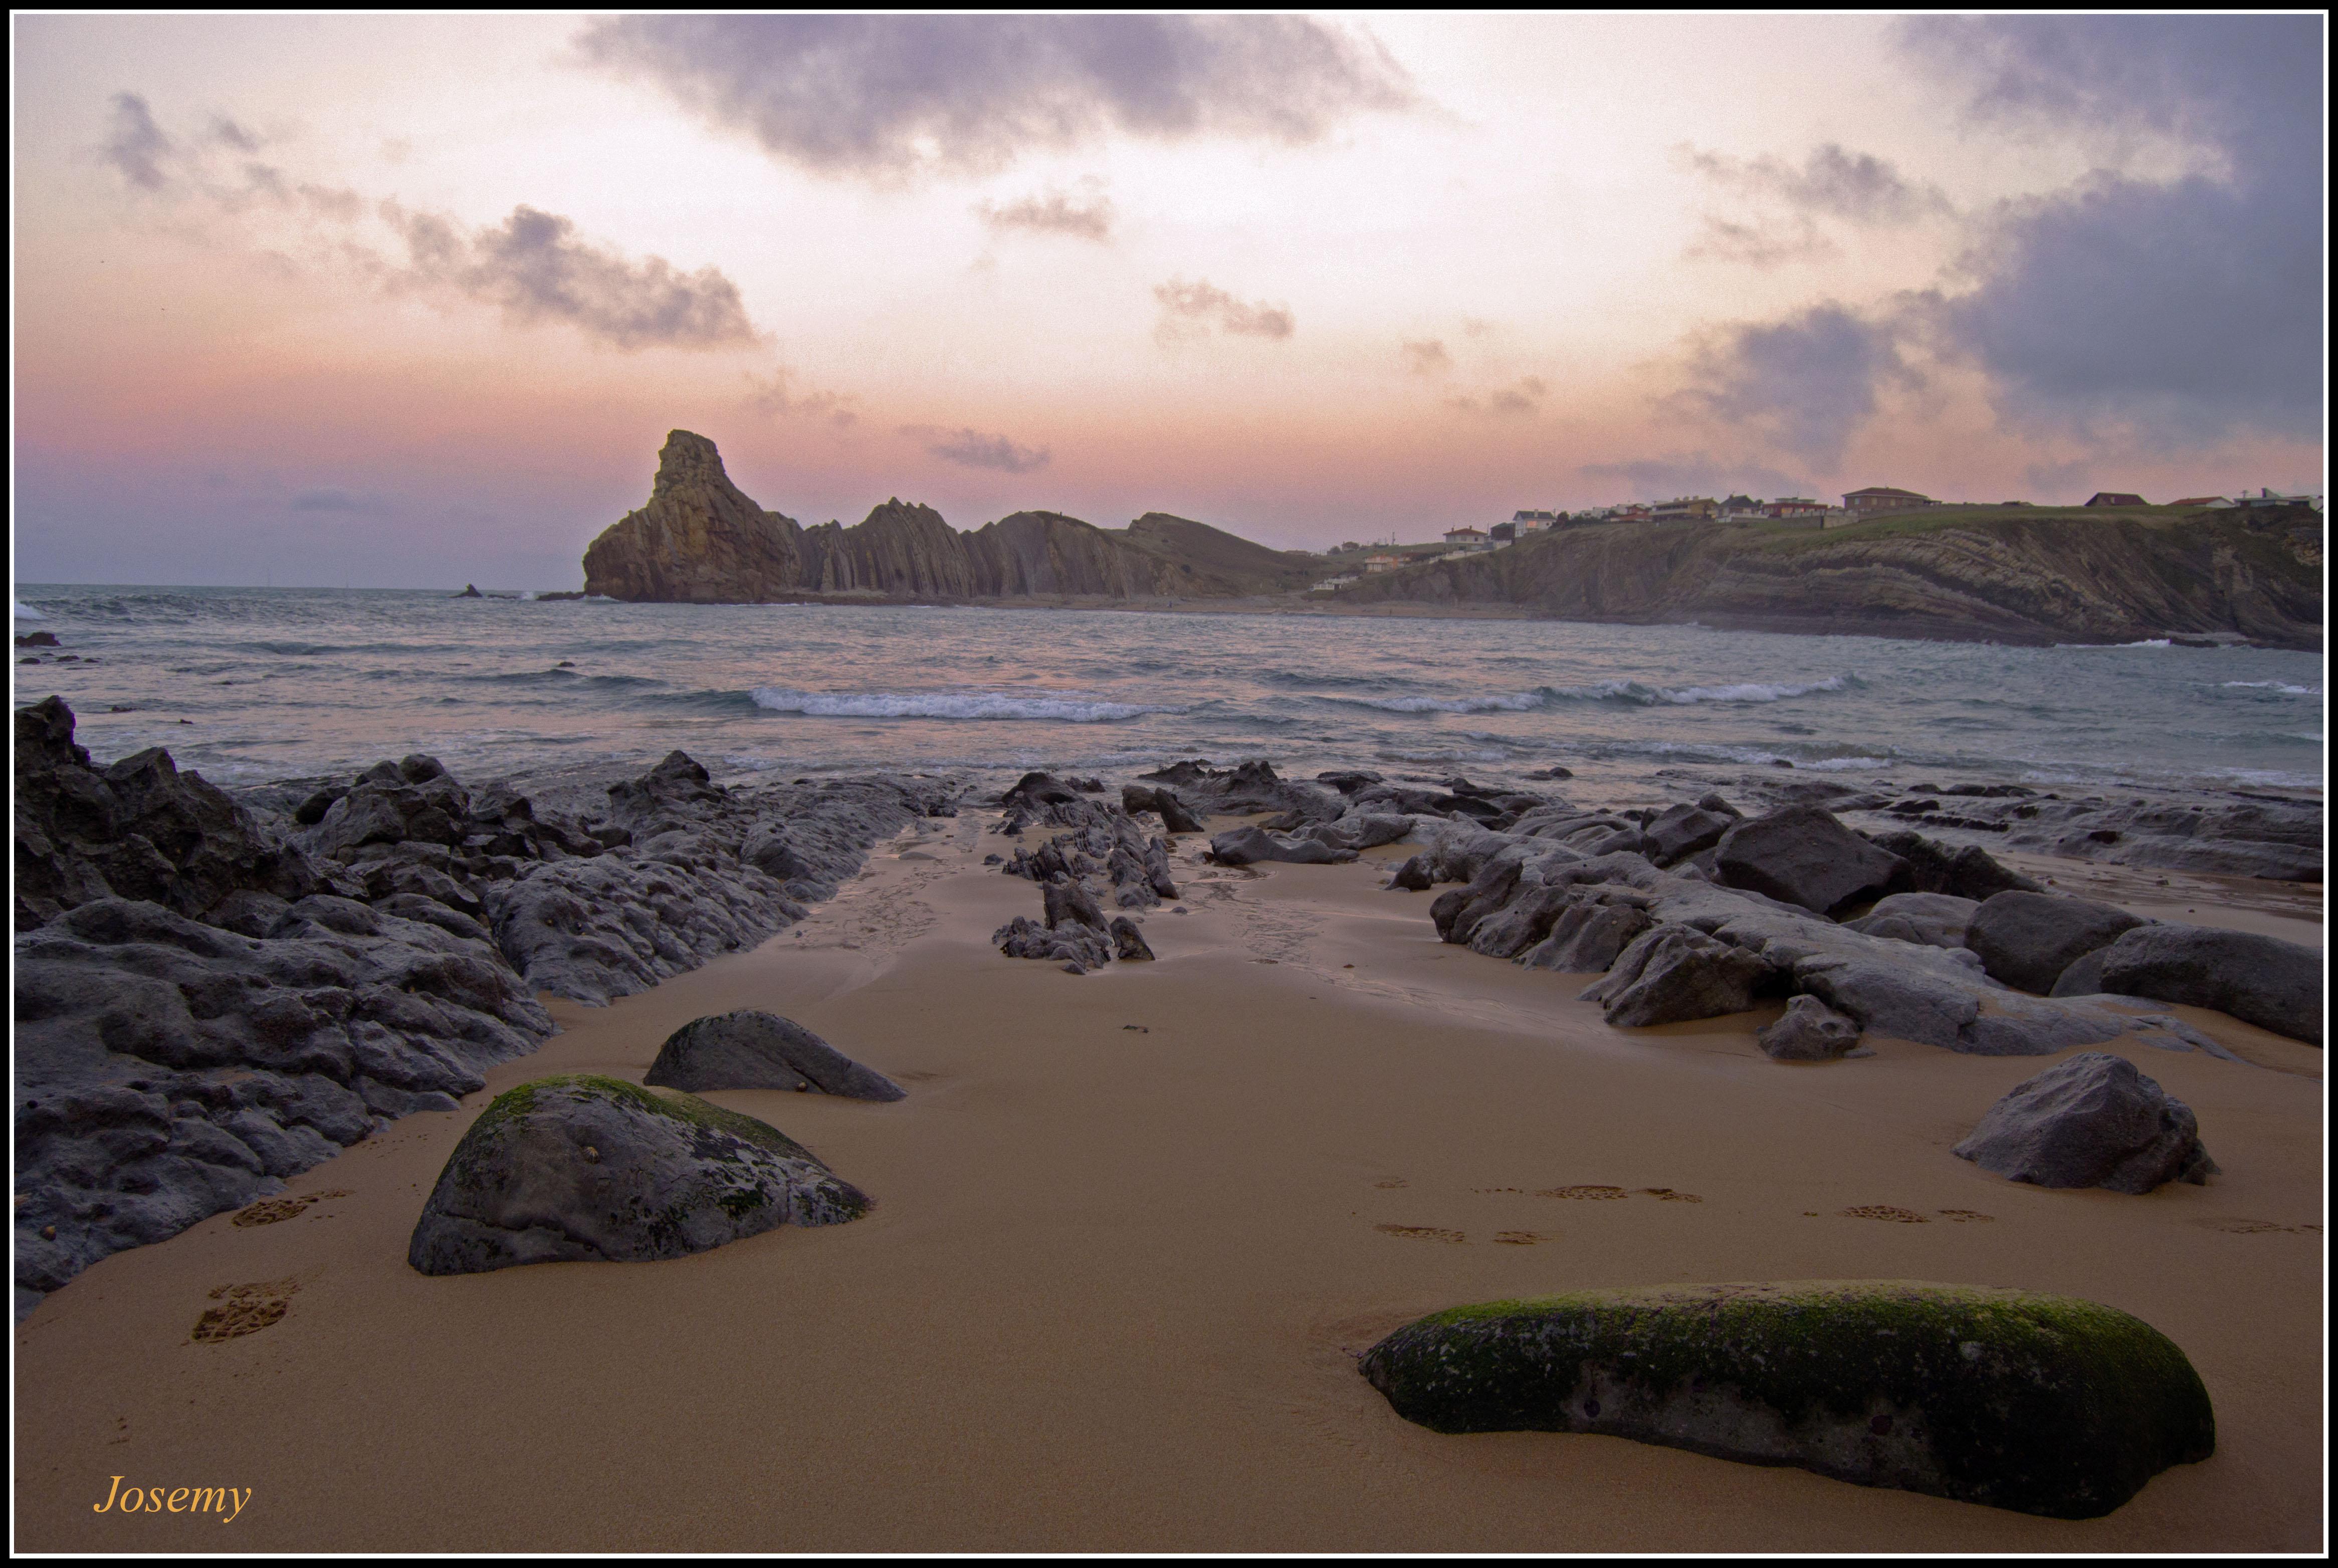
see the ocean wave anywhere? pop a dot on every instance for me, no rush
(1069, 709)
(2283, 687)
(1627, 692)
(2105, 647)
(25, 611)
(1513, 702)
(1844, 764)
(1749, 692)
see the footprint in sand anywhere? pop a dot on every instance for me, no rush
(2232, 1227)
(1669, 1196)
(1421, 1232)
(1967, 1216)
(914, 1077)
(279, 1208)
(1583, 1193)
(1521, 1238)
(1391, 1182)
(244, 1310)
(1885, 1212)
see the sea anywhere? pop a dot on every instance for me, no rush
(252, 685)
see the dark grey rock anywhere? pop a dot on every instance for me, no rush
(583, 1168)
(1810, 1031)
(1962, 871)
(1933, 919)
(2260, 980)
(2082, 978)
(1127, 941)
(1680, 831)
(1586, 936)
(753, 1050)
(1800, 855)
(2028, 939)
(1248, 845)
(1674, 972)
(2094, 1121)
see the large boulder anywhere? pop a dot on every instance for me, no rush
(1246, 845)
(2042, 1403)
(1587, 936)
(2028, 939)
(1679, 831)
(1810, 1031)
(1963, 870)
(2260, 980)
(1674, 972)
(752, 1050)
(2094, 1121)
(1800, 855)
(584, 1168)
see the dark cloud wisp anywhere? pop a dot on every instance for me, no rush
(137, 146)
(896, 97)
(1833, 182)
(1085, 216)
(536, 267)
(1806, 384)
(1191, 309)
(1426, 357)
(978, 449)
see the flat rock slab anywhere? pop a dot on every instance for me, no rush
(582, 1167)
(2093, 1121)
(2041, 1404)
(753, 1050)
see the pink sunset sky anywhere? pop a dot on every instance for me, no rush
(402, 301)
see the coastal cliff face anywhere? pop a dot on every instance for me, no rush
(700, 541)
(2024, 579)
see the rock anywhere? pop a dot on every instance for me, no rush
(1456, 914)
(1175, 817)
(1933, 919)
(1068, 902)
(1811, 1031)
(1674, 972)
(674, 1175)
(1360, 830)
(1247, 846)
(1127, 941)
(1586, 937)
(2093, 1121)
(1985, 1396)
(2260, 980)
(2028, 939)
(1075, 942)
(470, 591)
(1680, 831)
(1800, 855)
(2082, 978)
(752, 1050)
(36, 640)
(1963, 871)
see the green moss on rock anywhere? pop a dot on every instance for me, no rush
(2044, 1404)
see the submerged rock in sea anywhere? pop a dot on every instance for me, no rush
(585, 1168)
(755, 1050)
(2093, 1121)
(2041, 1404)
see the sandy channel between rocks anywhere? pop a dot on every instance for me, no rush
(1132, 1229)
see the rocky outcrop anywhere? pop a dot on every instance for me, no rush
(2005, 576)
(2262, 980)
(2028, 939)
(2094, 1121)
(698, 540)
(589, 1168)
(1800, 855)
(755, 1050)
(2041, 1404)
(1672, 974)
(1810, 1031)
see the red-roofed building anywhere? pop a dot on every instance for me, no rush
(1878, 499)
(2115, 498)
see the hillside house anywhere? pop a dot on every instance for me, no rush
(2207, 503)
(2115, 498)
(1687, 509)
(1525, 523)
(1466, 539)
(1878, 499)
(1382, 561)
(1795, 506)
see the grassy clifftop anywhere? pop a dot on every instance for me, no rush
(2031, 574)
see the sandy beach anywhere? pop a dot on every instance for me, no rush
(1131, 1230)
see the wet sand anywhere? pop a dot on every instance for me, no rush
(1131, 1230)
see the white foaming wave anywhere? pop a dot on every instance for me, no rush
(25, 611)
(1067, 710)
(1844, 764)
(2105, 647)
(1511, 702)
(2283, 687)
(1455, 755)
(1749, 692)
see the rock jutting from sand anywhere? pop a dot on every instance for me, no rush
(2094, 1121)
(215, 992)
(2041, 1404)
(1811, 1031)
(755, 1050)
(2028, 939)
(583, 1168)
(2261, 980)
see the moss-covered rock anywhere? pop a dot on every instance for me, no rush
(583, 1167)
(2044, 1404)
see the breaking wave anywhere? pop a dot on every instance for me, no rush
(25, 611)
(2283, 687)
(953, 705)
(1628, 691)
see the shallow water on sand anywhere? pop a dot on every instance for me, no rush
(252, 684)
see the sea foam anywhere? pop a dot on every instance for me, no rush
(1068, 710)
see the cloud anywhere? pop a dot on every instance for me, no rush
(1188, 311)
(227, 133)
(1764, 242)
(773, 397)
(1087, 217)
(1833, 182)
(1427, 357)
(1805, 384)
(975, 449)
(2180, 308)
(900, 97)
(333, 499)
(1696, 472)
(1523, 397)
(535, 269)
(137, 146)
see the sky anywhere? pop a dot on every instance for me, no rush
(413, 300)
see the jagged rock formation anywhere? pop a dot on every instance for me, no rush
(2024, 578)
(698, 540)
